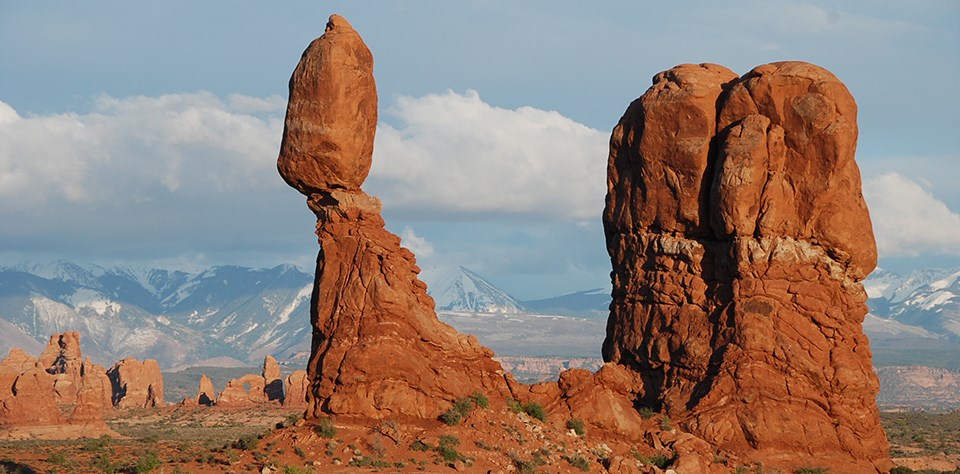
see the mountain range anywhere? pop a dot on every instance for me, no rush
(230, 315)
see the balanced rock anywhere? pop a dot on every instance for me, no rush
(739, 238)
(206, 394)
(272, 379)
(296, 389)
(331, 115)
(136, 384)
(378, 348)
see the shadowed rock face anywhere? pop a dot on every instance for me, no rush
(378, 348)
(739, 237)
(136, 384)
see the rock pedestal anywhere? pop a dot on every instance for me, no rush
(378, 348)
(136, 384)
(739, 237)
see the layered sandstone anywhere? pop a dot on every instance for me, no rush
(378, 348)
(58, 387)
(296, 389)
(739, 237)
(136, 384)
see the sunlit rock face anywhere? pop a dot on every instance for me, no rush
(739, 237)
(378, 348)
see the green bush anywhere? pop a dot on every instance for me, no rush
(247, 443)
(514, 406)
(147, 463)
(811, 470)
(452, 417)
(646, 413)
(577, 426)
(578, 462)
(326, 429)
(659, 459)
(535, 410)
(480, 400)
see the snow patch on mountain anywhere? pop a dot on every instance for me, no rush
(460, 289)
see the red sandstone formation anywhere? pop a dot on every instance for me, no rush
(378, 348)
(57, 388)
(296, 389)
(136, 384)
(739, 237)
(206, 394)
(244, 391)
(272, 379)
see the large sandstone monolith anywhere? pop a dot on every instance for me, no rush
(378, 348)
(136, 384)
(206, 394)
(739, 237)
(272, 379)
(244, 391)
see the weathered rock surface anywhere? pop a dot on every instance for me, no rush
(206, 394)
(244, 391)
(296, 389)
(738, 237)
(136, 384)
(331, 114)
(59, 387)
(272, 379)
(378, 348)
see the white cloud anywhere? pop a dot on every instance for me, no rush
(418, 245)
(454, 153)
(908, 219)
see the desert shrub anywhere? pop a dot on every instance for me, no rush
(646, 412)
(514, 406)
(299, 452)
(59, 458)
(326, 429)
(96, 444)
(659, 459)
(296, 470)
(364, 461)
(578, 462)
(535, 410)
(576, 424)
(105, 464)
(419, 445)
(147, 463)
(247, 443)
(811, 470)
(447, 448)
(665, 424)
(452, 417)
(480, 400)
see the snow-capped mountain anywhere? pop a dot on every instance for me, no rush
(459, 289)
(173, 316)
(927, 299)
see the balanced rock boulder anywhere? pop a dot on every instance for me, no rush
(378, 348)
(739, 238)
(136, 384)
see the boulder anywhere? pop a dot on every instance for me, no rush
(378, 348)
(136, 384)
(331, 115)
(739, 238)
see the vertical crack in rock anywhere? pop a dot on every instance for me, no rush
(739, 236)
(378, 348)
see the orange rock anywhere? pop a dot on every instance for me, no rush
(62, 355)
(738, 240)
(379, 349)
(272, 379)
(245, 391)
(297, 386)
(136, 384)
(331, 115)
(206, 394)
(32, 401)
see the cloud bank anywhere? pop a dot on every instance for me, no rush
(908, 220)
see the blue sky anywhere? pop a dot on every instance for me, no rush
(147, 133)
